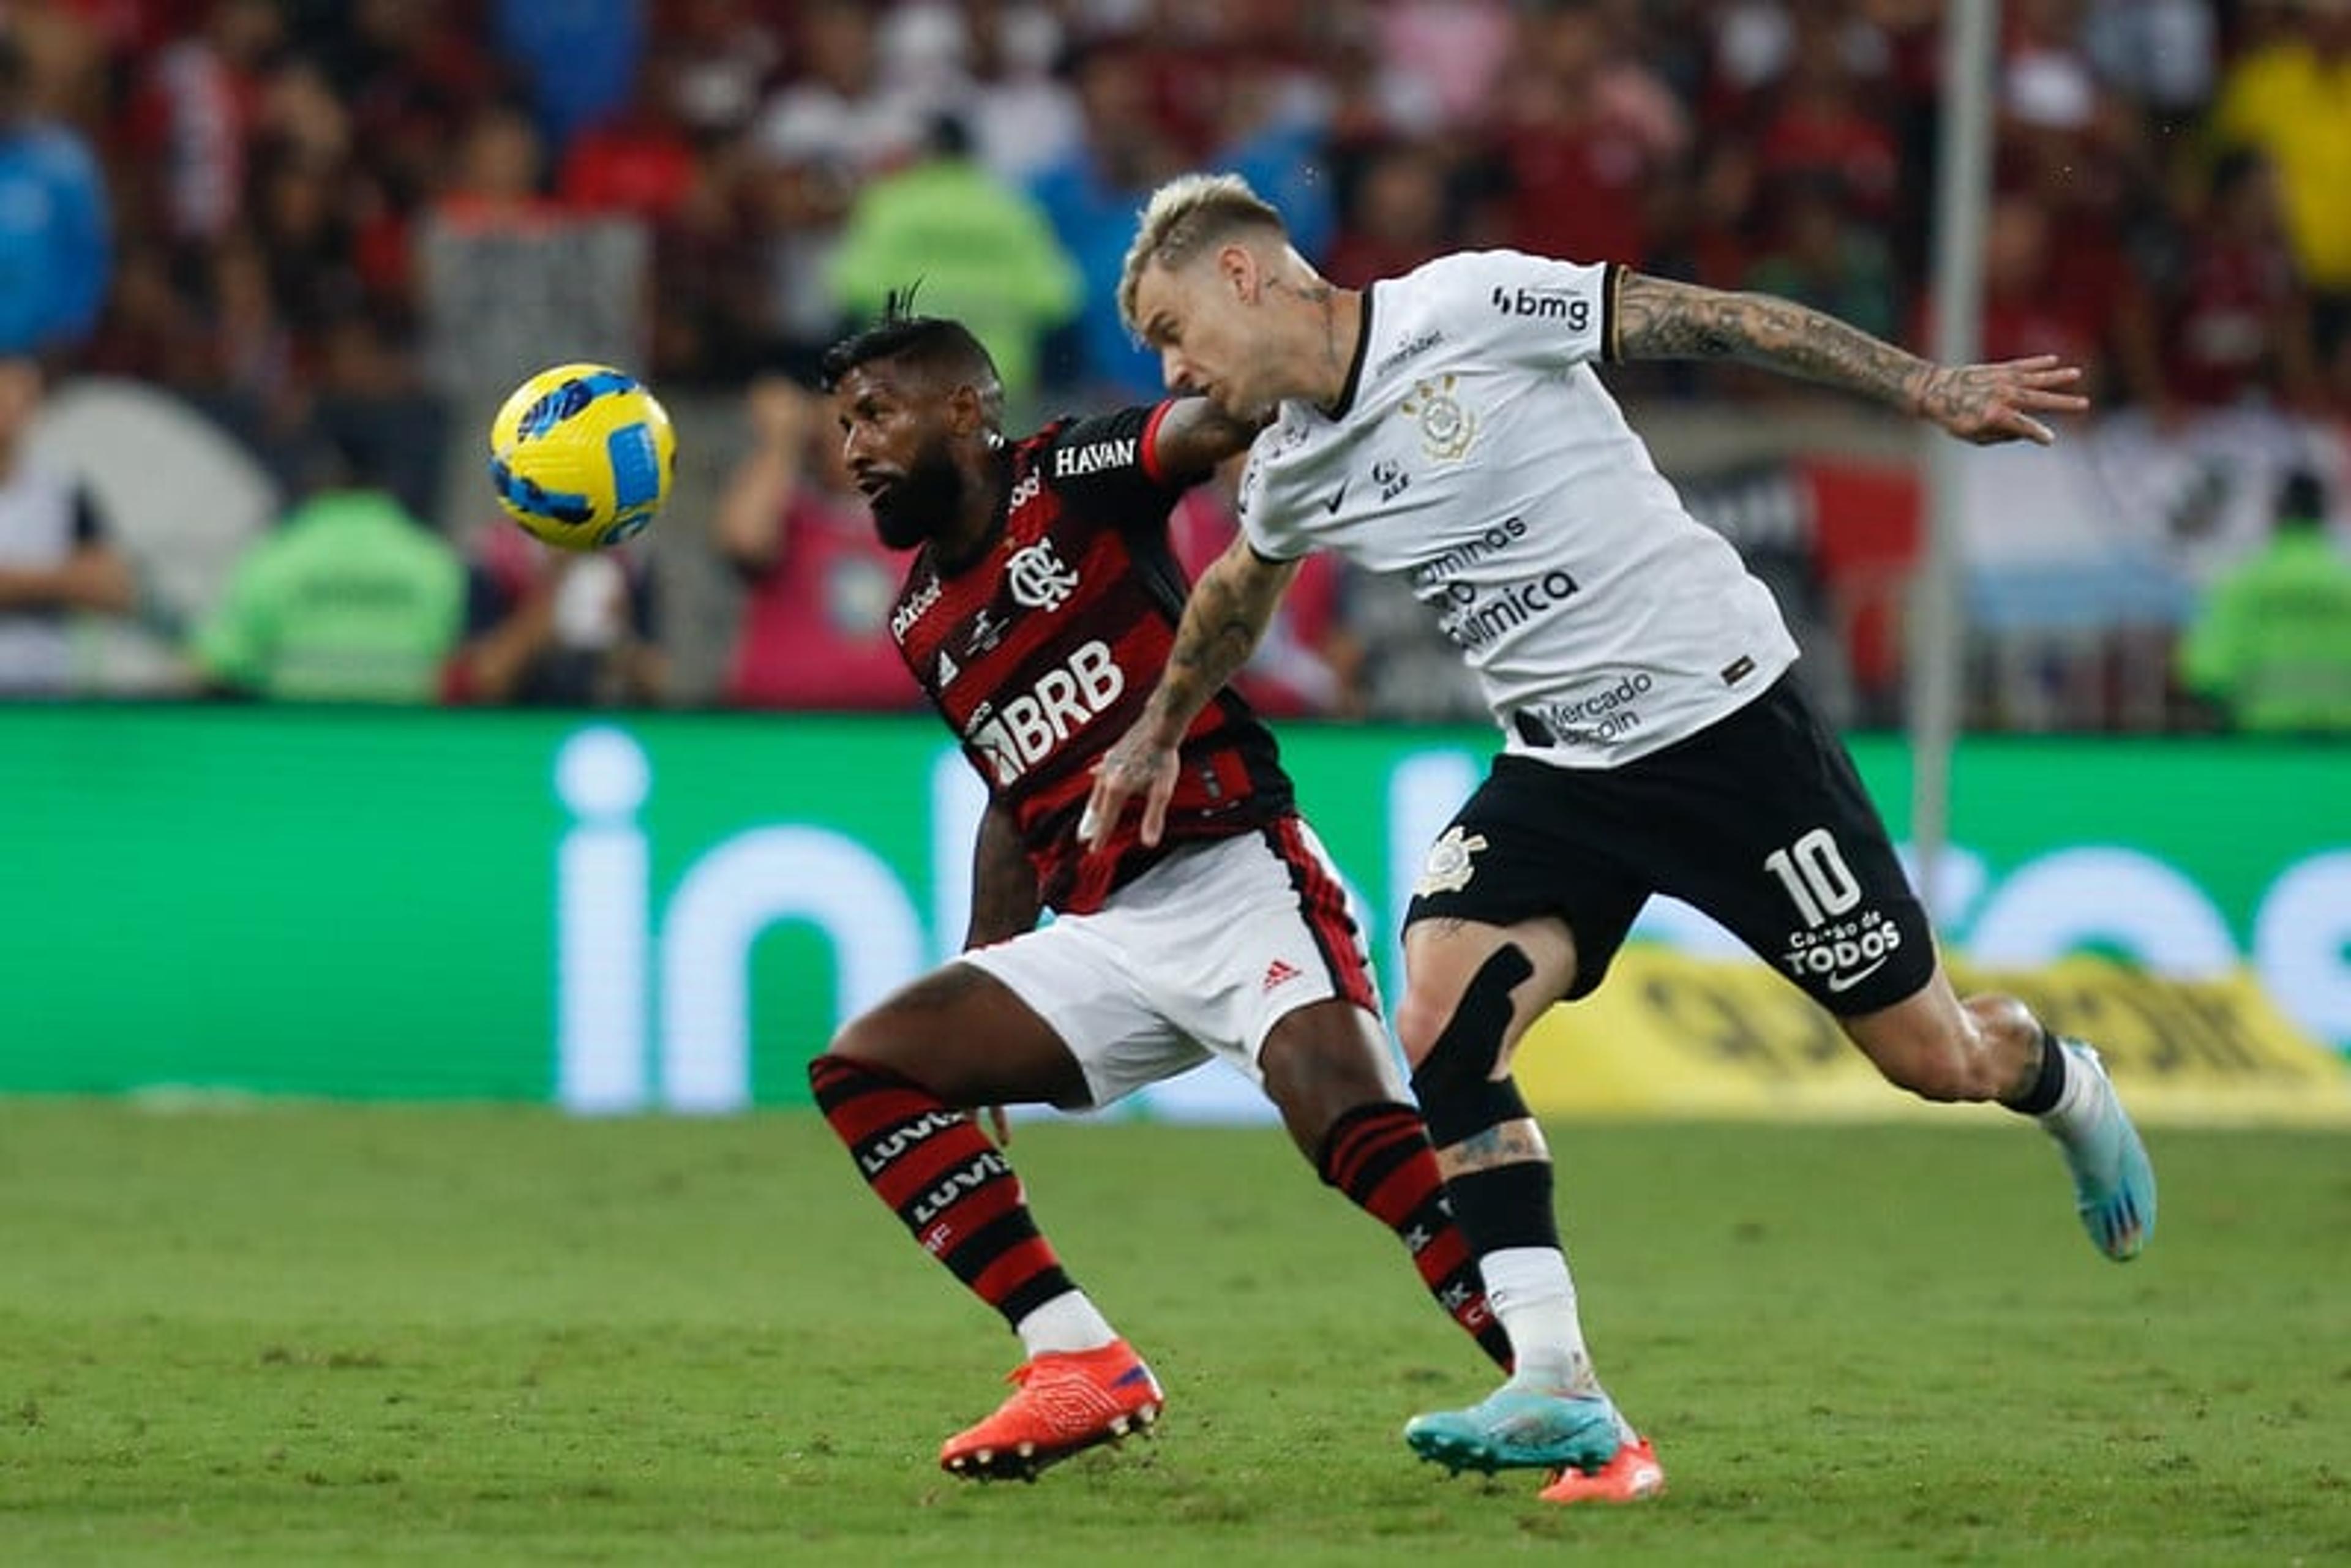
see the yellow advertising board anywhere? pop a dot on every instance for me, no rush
(1670, 1035)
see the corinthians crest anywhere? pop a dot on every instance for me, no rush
(1447, 428)
(1447, 868)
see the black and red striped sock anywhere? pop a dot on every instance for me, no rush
(953, 1189)
(1379, 1155)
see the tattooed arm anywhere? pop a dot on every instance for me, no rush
(1004, 900)
(1228, 611)
(1660, 320)
(1194, 435)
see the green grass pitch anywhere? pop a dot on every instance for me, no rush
(324, 1335)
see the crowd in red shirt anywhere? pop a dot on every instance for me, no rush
(272, 163)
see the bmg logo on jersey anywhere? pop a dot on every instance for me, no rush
(1062, 702)
(1544, 305)
(1040, 580)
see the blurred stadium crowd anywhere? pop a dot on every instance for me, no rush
(333, 233)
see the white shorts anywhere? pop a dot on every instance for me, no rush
(1199, 956)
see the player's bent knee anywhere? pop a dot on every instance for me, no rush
(1455, 1079)
(868, 1040)
(1417, 1025)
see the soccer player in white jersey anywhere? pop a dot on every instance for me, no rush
(1448, 426)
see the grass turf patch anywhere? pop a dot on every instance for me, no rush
(304, 1334)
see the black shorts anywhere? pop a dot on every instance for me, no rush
(1759, 820)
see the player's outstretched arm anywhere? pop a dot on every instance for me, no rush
(1658, 318)
(1225, 618)
(1004, 901)
(1194, 435)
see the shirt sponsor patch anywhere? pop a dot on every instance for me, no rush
(1094, 457)
(903, 619)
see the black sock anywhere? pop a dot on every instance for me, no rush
(2048, 1085)
(1508, 1205)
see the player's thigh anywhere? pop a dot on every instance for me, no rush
(1534, 860)
(1082, 976)
(1764, 824)
(1241, 936)
(969, 1037)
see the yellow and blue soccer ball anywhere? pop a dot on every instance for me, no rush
(582, 457)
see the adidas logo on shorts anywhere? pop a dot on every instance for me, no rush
(1278, 973)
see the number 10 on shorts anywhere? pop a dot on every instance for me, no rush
(1814, 872)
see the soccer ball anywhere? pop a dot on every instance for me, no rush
(582, 457)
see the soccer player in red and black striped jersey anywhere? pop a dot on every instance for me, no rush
(1042, 600)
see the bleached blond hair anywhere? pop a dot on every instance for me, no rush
(1183, 218)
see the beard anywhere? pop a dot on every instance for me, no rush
(927, 499)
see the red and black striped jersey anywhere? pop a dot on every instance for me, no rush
(1041, 653)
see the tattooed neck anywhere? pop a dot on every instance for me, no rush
(1324, 297)
(1330, 377)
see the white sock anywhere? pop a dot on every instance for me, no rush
(1068, 1323)
(2079, 1103)
(1534, 1298)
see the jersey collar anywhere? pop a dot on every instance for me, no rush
(1346, 399)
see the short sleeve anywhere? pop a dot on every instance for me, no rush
(1530, 310)
(1105, 464)
(1262, 518)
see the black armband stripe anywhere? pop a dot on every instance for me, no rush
(1609, 349)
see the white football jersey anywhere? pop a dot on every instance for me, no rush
(1475, 454)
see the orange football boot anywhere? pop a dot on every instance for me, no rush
(1065, 1402)
(1631, 1476)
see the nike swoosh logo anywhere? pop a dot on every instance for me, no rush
(1847, 982)
(1332, 505)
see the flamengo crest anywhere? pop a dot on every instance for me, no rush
(1038, 578)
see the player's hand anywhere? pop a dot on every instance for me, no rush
(1988, 404)
(1136, 765)
(998, 1124)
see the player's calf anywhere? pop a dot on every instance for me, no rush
(1379, 1155)
(954, 1190)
